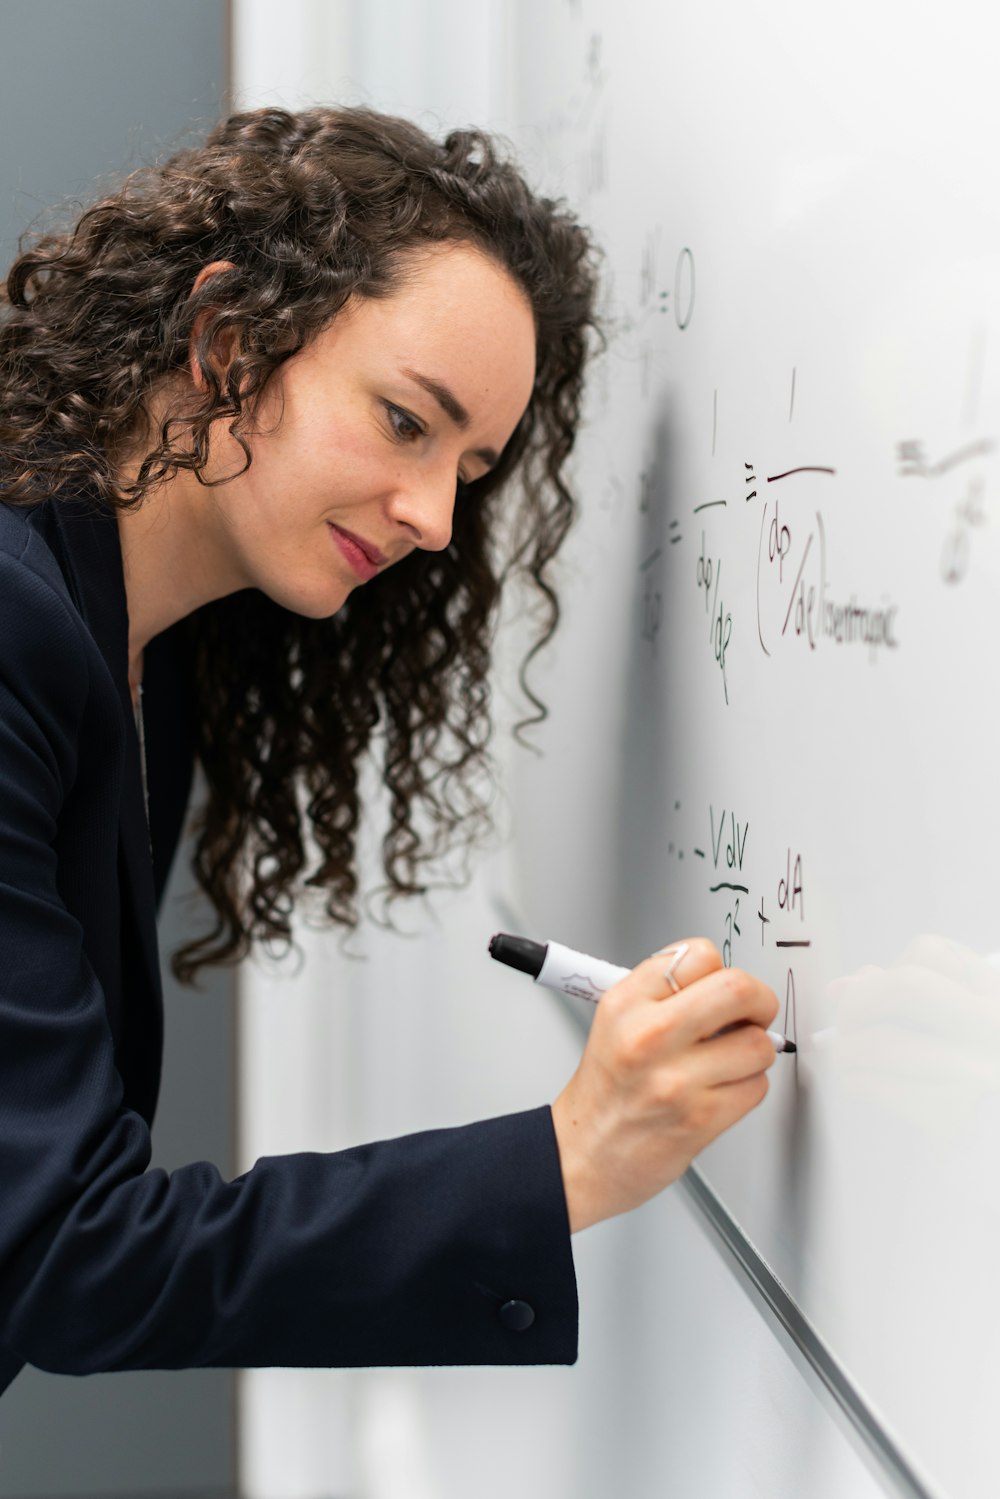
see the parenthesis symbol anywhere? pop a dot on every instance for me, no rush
(760, 633)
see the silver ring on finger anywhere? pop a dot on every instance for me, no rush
(677, 953)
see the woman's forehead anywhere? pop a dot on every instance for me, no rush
(456, 319)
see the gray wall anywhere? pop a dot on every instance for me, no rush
(89, 89)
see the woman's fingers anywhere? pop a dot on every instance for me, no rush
(668, 960)
(700, 996)
(667, 972)
(722, 999)
(741, 1053)
(657, 1082)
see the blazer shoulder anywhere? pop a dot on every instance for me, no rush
(23, 543)
(45, 654)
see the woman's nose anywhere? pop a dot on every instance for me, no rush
(426, 506)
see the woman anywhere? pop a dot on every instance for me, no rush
(258, 415)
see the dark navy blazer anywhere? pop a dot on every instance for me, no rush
(444, 1247)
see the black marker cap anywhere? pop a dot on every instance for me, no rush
(518, 952)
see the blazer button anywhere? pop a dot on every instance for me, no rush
(516, 1315)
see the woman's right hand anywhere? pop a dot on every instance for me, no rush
(657, 1081)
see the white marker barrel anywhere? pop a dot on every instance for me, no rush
(577, 973)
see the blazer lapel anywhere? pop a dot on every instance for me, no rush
(91, 551)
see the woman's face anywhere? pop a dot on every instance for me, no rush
(368, 430)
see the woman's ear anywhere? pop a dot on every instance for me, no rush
(194, 366)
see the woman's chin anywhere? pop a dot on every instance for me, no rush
(321, 602)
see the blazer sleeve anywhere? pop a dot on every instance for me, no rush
(449, 1246)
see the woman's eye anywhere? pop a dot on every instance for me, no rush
(404, 426)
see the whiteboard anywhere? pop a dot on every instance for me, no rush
(773, 692)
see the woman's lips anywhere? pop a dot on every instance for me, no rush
(363, 558)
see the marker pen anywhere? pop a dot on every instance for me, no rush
(571, 972)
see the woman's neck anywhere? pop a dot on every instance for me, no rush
(171, 561)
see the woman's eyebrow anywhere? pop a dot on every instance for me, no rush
(452, 407)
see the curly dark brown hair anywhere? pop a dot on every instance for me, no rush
(311, 208)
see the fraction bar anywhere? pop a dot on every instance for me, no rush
(807, 468)
(798, 580)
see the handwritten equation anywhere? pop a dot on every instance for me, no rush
(784, 597)
(781, 914)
